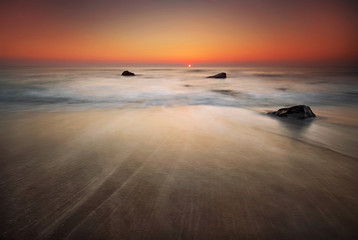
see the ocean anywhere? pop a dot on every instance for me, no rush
(79, 88)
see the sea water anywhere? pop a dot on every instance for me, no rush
(80, 88)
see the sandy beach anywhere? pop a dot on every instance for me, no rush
(185, 172)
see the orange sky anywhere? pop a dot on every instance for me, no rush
(148, 31)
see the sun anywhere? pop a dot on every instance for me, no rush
(189, 65)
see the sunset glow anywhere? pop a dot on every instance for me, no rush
(203, 31)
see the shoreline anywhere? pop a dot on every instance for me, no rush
(193, 172)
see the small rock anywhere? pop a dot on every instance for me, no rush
(219, 75)
(282, 89)
(226, 92)
(128, 73)
(298, 112)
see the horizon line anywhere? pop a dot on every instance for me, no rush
(93, 63)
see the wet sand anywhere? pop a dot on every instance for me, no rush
(194, 172)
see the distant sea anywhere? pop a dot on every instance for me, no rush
(80, 88)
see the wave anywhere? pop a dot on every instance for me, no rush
(101, 87)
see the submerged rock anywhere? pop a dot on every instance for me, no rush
(298, 112)
(219, 75)
(128, 73)
(226, 92)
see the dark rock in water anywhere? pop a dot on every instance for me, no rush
(219, 75)
(282, 89)
(298, 112)
(226, 92)
(128, 73)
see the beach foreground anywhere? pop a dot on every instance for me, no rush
(191, 172)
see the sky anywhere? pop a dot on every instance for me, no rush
(179, 31)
